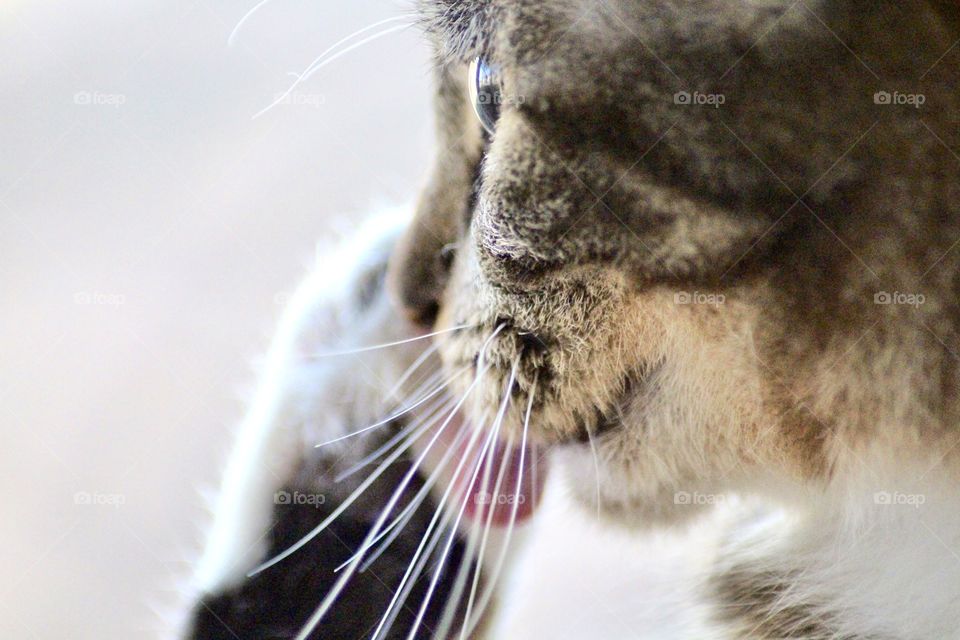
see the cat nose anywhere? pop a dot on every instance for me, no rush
(417, 273)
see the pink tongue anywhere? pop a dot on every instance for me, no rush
(484, 497)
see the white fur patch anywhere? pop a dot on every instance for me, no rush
(301, 399)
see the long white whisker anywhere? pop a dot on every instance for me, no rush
(392, 393)
(316, 66)
(486, 533)
(416, 568)
(481, 356)
(400, 521)
(446, 551)
(395, 415)
(354, 35)
(453, 529)
(472, 553)
(416, 564)
(498, 567)
(426, 384)
(334, 593)
(469, 557)
(335, 514)
(401, 591)
(330, 354)
(231, 39)
(406, 435)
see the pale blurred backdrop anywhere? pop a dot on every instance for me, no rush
(149, 229)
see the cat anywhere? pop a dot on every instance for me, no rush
(720, 240)
(694, 250)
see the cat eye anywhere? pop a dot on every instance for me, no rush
(485, 92)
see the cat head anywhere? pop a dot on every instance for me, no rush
(715, 240)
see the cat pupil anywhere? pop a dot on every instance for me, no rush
(484, 83)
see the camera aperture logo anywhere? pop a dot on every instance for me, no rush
(897, 498)
(698, 99)
(298, 99)
(497, 98)
(97, 499)
(487, 498)
(299, 498)
(696, 498)
(698, 297)
(99, 298)
(886, 98)
(899, 297)
(99, 99)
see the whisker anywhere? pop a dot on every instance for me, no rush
(336, 512)
(426, 383)
(347, 352)
(231, 39)
(334, 592)
(400, 521)
(416, 570)
(405, 584)
(433, 415)
(473, 554)
(344, 39)
(505, 545)
(448, 515)
(395, 415)
(316, 65)
(446, 551)
(411, 369)
(481, 356)
(470, 556)
(419, 498)
(486, 532)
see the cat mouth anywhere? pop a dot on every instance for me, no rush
(485, 472)
(512, 388)
(498, 481)
(508, 487)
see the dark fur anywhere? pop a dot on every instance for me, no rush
(276, 603)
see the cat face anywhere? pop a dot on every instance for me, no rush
(714, 237)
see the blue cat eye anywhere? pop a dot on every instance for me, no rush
(485, 92)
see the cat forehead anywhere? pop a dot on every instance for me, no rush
(465, 29)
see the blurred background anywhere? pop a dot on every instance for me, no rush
(149, 231)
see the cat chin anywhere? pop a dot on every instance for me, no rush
(625, 500)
